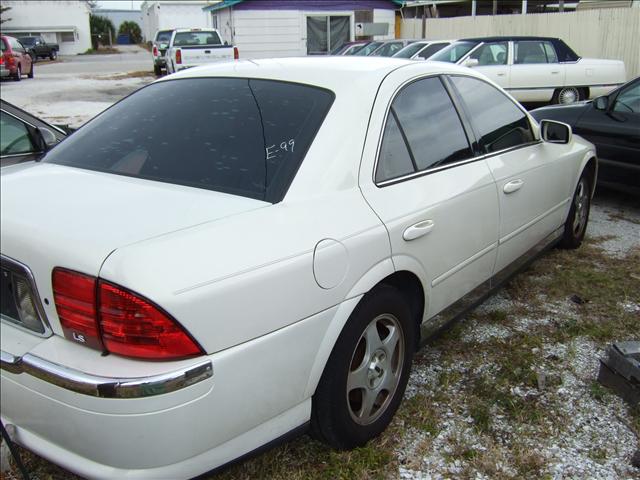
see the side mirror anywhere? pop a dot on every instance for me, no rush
(555, 132)
(601, 103)
(45, 139)
(471, 62)
(226, 43)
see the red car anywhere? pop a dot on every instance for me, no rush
(15, 61)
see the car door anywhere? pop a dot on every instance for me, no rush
(535, 72)
(616, 133)
(437, 202)
(492, 61)
(532, 180)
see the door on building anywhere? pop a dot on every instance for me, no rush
(327, 33)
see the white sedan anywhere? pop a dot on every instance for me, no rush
(536, 69)
(246, 251)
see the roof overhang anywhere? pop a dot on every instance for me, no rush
(221, 5)
(60, 29)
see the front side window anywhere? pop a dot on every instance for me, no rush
(534, 51)
(409, 51)
(14, 136)
(499, 123)
(368, 49)
(491, 54)
(426, 120)
(234, 135)
(194, 39)
(628, 101)
(388, 49)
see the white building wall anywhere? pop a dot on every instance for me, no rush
(161, 15)
(281, 33)
(388, 17)
(37, 14)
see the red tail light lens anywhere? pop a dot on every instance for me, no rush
(155, 51)
(134, 327)
(104, 316)
(178, 56)
(75, 298)
(1, 59)
(236, 54)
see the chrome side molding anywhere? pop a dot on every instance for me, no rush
(105, 387)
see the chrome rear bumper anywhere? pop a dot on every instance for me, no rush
(105, 387)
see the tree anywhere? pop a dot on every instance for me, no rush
(102, 30)
(132, 29)
(3, 18)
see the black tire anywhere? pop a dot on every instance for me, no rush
(53, 55)
(338, 415)
(157, 70)
(31, 72)
(576, 225)
(18, 76)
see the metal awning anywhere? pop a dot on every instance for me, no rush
(221, 5)
(60, 29)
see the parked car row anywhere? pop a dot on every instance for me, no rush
(532, 69)
(177, 49)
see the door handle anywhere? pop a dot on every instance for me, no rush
(513, 186)
(555, 72)
(418, 230)
(500, 74)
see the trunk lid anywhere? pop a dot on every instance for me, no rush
(54, 215)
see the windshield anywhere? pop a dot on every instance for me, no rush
(235, 135)
(27, 40)
(367, 49)
(410, 50)
(191, 39)
(164, 37)
(454, 52)
(388, 49)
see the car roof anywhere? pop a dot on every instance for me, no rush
(339, 74)
(505, 38)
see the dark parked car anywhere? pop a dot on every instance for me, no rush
(158, 49)
(38, 48)
(15, 58)
(612, 123)
(24, 137)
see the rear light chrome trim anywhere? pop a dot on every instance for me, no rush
(24, 271)
(105, 387)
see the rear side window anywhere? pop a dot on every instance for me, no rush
(241, 136)
(193, 39)
(431, 129)
(499, 123)
(534, 52)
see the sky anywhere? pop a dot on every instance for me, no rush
(120, 4)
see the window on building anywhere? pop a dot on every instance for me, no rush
(67, 37)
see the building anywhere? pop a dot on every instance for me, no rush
(277, 28)
(65, 22)
(117, 17)
(283, 28)
(166, 14)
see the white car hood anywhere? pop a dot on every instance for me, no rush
(53, 215)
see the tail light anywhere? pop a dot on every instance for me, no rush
(155, 51)
(236, 54)
(178, 56)
(105, 316)
(1, 59)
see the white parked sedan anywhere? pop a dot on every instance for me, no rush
(240, 252)
(536, 69)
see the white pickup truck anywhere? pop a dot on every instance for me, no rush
(191, 47)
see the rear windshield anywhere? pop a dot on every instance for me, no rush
(193, 39)
(453, 52)
(164, 37)
(234, 135)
